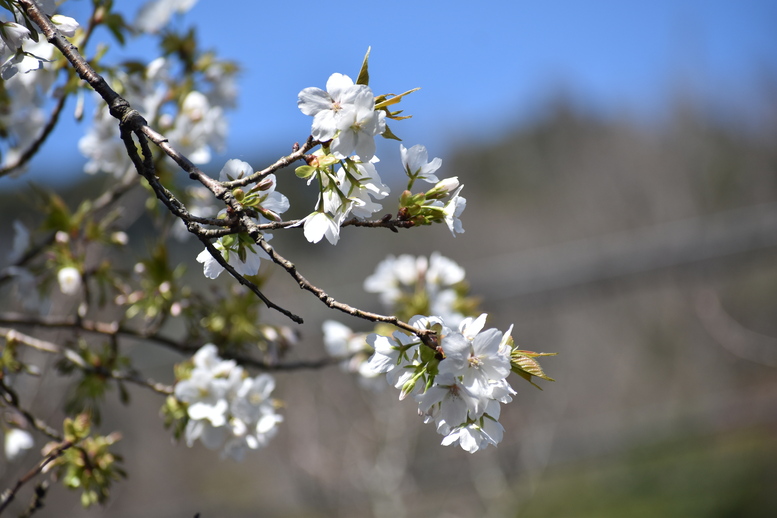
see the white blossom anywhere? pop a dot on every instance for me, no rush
(416, 163)
(198, 128)
(327, 107)
(226, 408)
(17, 441)
(318, 225)
(478, 434)
(247, 265)
(69, 279)
(66, 25)
(359, 124)
(155, 14)
(406, 275)
(360, 184)
(453, 210)
(13, 35)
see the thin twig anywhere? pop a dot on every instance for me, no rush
(38, 142)
(114, 329)
(426, 336)
(245, 282)
(279, 164)
(12, 398)
(10, 493)
(78, 361)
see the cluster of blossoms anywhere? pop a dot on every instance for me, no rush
(458, 383)
(22, 117)
(431, 286)
(458, 386)
(346, 119)
(407, 285)
(454, 369)
(225, 407)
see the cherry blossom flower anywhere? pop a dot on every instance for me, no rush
(453, 210)
(406, 275)
(268, 200)
(66, 25)
(17, 441)
(450, 401)
(226, 408)
(246, 262)
(416, 163)
(360, 183)
(13, 35)
(199, 128)
(318, 225)
(475, 356)
(69, 279)
(327, 108)
(359, 124)
(478, 434)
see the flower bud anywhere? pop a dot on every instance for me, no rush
(119, 238)
(14, 35)
(443, 188)
(265, 184)
(65, 24)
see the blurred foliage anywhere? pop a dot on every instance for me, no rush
(727, 475)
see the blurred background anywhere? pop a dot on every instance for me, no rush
(620, 170)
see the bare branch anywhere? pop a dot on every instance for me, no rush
(114, 329)
(12, 398)
(10, 493)
(427, 337)
(78, 361)
(280, 164)
(245, 282)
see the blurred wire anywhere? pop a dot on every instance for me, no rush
(623, 254)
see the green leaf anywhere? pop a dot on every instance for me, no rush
(32, 28)
(525, 363)
(364, 75)
(305, 171)
(387, 133)
(115, 24)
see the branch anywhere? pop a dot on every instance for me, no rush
(298, 154)
(78, 361)
(245, 282)
(10, 493)
(384, 222)
(426, 336)
(114, 329)
(38, 142)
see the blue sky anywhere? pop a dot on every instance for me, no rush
(483, 66)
